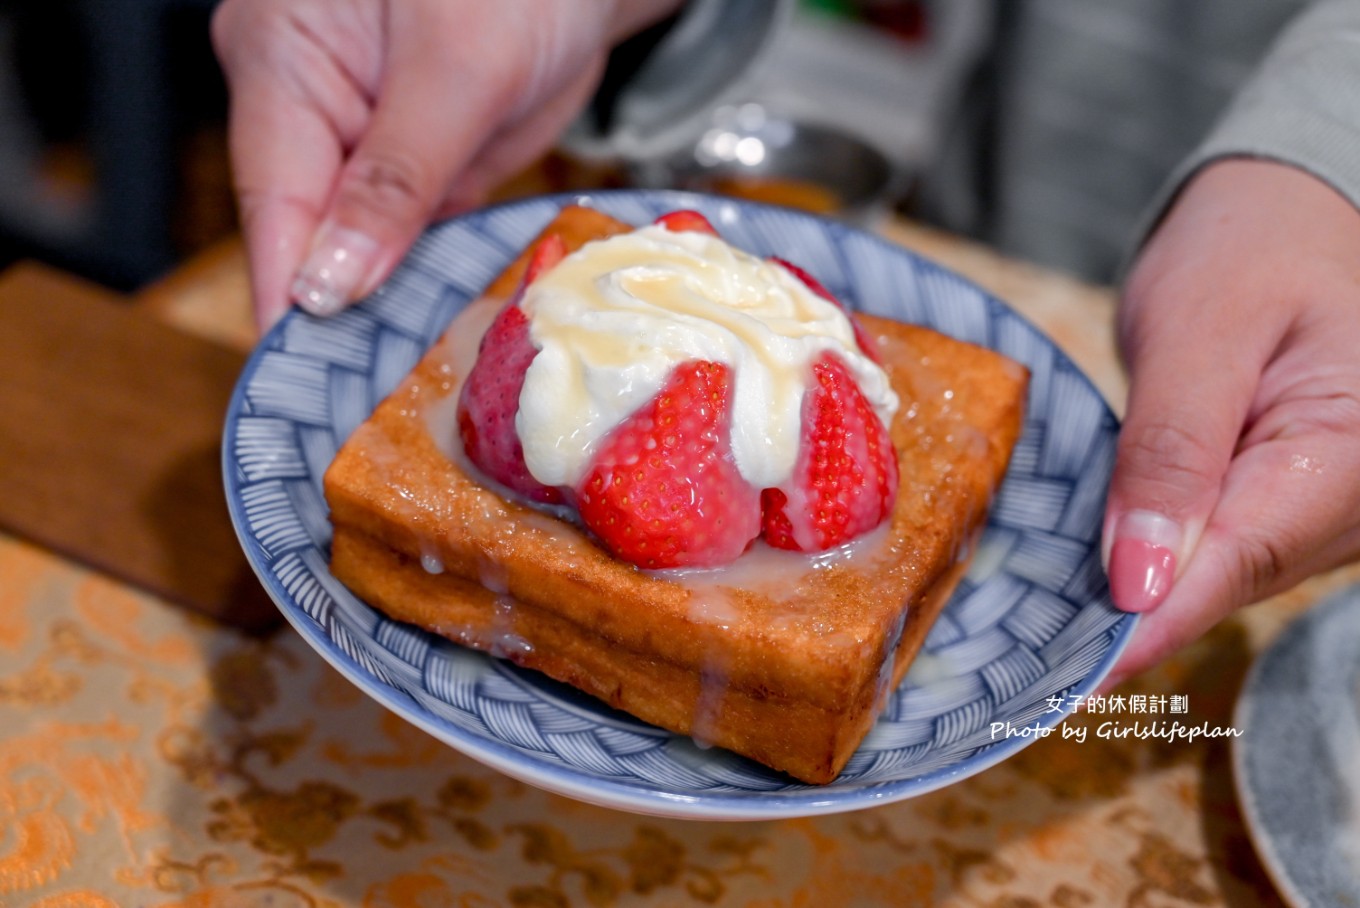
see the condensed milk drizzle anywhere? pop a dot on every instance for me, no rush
(716, 608)
(762, 569)
(762, 565)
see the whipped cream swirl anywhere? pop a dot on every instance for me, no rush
(613, 319)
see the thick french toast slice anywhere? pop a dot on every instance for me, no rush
(781, 657)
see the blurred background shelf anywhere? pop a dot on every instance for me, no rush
(111, 135)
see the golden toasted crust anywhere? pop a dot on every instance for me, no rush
(773, 658)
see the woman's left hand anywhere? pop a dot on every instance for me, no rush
(1238, 470)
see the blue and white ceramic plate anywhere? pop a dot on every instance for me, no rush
(1029, 631)
(1297, 760)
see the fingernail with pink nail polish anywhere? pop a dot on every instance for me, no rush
(1143, 559)
(331, 276)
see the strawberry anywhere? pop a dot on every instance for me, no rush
(549, 251)
(490, 395)
(866, 343)
(845, 479)
(686, 219)
(663, 490)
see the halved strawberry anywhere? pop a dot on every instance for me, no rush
(867, 345)
(490, 396)
(663, 490)
(845, 480)
(686, 219)
(549, 251)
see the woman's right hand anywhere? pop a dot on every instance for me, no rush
(354, 123)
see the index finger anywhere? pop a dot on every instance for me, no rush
(285, 149)
(283, 179)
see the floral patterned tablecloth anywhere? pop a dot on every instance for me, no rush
(150, 757)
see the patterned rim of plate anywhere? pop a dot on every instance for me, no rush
(1029, 631)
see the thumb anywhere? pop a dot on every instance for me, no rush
(1287, 511)
(1190, 392)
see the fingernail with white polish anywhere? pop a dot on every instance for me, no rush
(1143, 559)
(330, 277)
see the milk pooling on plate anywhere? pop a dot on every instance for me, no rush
(613, 319)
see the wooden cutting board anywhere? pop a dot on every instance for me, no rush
(110, 434)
